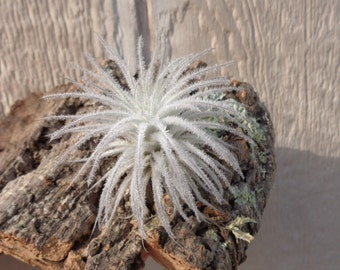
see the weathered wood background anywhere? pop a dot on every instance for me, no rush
(288, 50)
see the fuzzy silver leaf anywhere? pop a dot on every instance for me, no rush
(157, 130)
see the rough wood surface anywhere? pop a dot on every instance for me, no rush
(287, 49)
(283, 48)
(46, 221)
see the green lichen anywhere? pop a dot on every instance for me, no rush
(20, 226)
(258, 135)
(225, 245)
(244, 196)
(212, 234)
(252, 128)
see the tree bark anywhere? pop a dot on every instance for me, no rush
(47, 220)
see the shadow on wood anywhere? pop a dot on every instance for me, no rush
(47, 220)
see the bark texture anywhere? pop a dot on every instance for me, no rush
(284, 48)
(288, 50)
(47, 220)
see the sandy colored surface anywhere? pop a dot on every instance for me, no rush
(288, 50)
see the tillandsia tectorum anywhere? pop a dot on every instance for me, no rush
(157, 130)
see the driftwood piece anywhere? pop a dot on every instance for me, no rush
(46, 220)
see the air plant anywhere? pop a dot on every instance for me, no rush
(158, 131)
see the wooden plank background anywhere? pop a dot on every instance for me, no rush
(288, 50)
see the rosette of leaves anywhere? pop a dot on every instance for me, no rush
(158, 129)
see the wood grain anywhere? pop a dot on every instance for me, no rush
(48, 220)
(288, 50)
